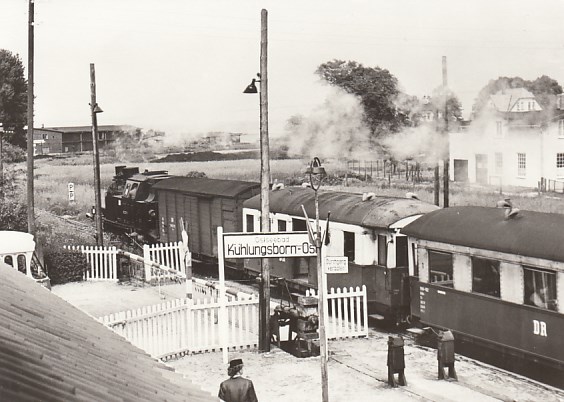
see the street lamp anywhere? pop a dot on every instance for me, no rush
(264, 297)
(317, 174)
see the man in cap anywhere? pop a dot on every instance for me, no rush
(237, 388)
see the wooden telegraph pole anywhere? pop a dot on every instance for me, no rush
(94, 109)
(264, 340)
(446, 159)
(30, 49)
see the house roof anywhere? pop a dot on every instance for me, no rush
(206, 187)
(529, 233)
(504, 100)
(73, 129)
(52, 351)
(379, 212)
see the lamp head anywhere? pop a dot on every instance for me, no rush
(97, 109)
(251, 88)
(316, 173)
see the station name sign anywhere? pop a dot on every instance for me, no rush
(267, 245)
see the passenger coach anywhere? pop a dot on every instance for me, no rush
(363, 227)
(494, 276)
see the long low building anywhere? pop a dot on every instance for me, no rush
(54, 140)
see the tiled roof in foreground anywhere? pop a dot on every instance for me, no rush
(52, 351)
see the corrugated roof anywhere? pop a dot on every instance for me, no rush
(531, 234)
(205, 186)
(380, 212)
(51, 351)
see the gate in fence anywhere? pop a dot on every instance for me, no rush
(102, 262)
(184, 326)
(348, 312)
(171, 255)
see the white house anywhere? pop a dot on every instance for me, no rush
(514, 141)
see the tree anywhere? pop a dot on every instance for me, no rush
(377, 89)
(544, 88)
(13, 98)
(453, 106)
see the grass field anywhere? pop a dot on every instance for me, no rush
(53, 175)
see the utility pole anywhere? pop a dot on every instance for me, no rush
(446, 159)
(264, 339)
(94, 109)
(30, 50)
(1, 155)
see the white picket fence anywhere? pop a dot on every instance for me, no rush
(348, 312)
(184, 326)
(102, 262)
(171, 255)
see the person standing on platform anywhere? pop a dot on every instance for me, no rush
(237, 388)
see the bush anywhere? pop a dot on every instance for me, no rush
(12, 153)
(13, 214)
(64, 265)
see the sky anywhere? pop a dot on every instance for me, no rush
(180, 66)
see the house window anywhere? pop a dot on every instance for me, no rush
(485, 276)
(349, 246)
(250, 219)
(382, 250)
(281, 225)
(560, 164)
(540, 288)
(521, 164)
(561, 128)
(440, 268)
(498, 163)
(498, 132)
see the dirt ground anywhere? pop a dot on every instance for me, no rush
(357, 369)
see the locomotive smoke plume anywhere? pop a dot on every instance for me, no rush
(335, 129)
(423, 143)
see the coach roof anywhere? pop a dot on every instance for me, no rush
(206, 187)
(377, 212)
(528, 233)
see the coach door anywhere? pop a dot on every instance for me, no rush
(482, 168)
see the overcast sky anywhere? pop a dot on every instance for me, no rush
(181, 65)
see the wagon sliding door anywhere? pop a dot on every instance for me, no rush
(205, 226)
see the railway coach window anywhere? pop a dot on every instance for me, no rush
(440, 268)
(250, 219)
(299, 225)
(349, 246)
(540, 288)
(485, 276)
(382, 250)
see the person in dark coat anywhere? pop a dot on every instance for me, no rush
(237, 388)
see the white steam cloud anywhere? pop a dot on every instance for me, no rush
(423, 143)
(335, 129)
